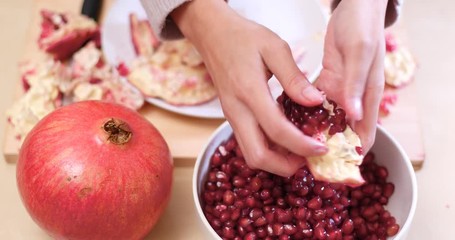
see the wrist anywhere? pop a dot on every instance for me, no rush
(380, 7)
(197, 18)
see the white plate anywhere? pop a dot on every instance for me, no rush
(301, 23)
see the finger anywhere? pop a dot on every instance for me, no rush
(278, 58)
(276, 126)
(255, 147)
(358, 62)
(366, 128)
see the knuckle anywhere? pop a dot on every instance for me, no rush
(256, 158)
(368, 141)
(281, 45)
(292, 81)
(275, 132)
(364, 44)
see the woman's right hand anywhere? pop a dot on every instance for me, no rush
(241, 56)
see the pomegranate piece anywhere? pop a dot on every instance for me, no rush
(399, 63)
(144, 39)
(123, 69)
(242, 203)
(42, 95)
(62, 34)
(166, 76)
(390, 43)
(92, 79)
(327, 123)
(387, 101)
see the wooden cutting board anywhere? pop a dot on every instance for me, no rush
(186, 136)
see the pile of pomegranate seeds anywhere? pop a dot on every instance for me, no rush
(242, 203)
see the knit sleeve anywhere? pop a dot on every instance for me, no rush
(392, 12)
(158, 12)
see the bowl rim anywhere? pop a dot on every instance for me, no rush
(407, 223)
(403, 229)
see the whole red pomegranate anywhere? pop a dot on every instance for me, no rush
(94, 170)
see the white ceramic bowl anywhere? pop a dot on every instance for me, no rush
(388, 153)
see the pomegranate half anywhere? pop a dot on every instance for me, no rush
(95, 170)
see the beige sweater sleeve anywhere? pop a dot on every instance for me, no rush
(158, 13)
(392, 13)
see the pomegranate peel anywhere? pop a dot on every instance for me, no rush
(327, 123)
(399, 63)
(165, 76)
(341, 163)
(95, 170)
(63, 34)
(144, 39)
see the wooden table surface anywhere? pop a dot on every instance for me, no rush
(430, 38)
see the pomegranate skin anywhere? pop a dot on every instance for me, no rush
(77, 184)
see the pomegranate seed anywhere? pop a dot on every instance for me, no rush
(327, 193)
(315, 203)
(381, 172)
(250, 202)
(251, 236)
(359, 150)
(300, 213)
(368, 212)
(347, 227)
(238, 181)
(228, 197)
(308, 129)
(278, 229)
(289, 229)
(261, 221)
(261, 232)
(319, 214)
(244, 222)
(388, 190)
(255, 213)
(319, 233)
(284, 237)
(221, 176)
(357, 194)
(216, 224)
(265, 194)
(307, 233)
(255, 184)
(269, 216)
(390, 43)
(230, 144)
(392, 230)
(283, 216)
(228, 232)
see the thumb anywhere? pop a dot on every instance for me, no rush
(280, 62)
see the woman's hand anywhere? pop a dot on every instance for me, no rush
(353, 63)
(241, 56)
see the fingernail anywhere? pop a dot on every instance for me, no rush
(312, 94)
(321, 149)
(358, 112)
